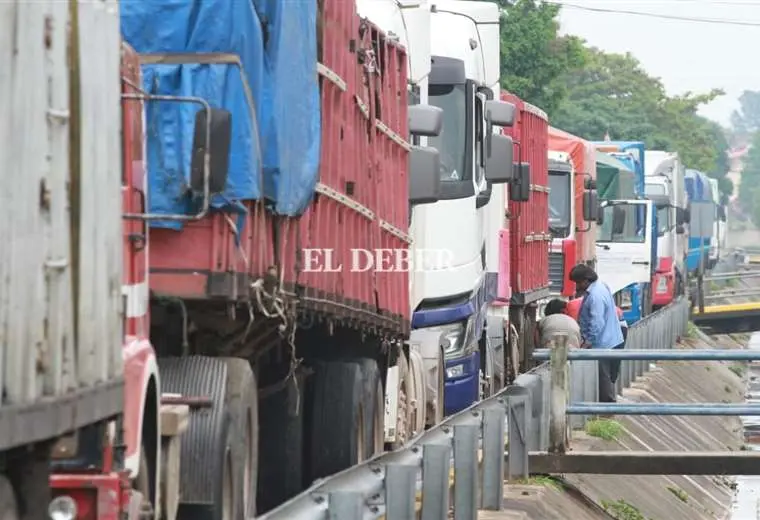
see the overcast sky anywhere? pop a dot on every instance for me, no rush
(686, 55)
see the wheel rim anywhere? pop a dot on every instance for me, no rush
(227, 491)
(402, 419)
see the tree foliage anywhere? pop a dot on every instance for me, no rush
(612, 94)
(746, 120)
(534, 57)
(749, 190)
(589, 92)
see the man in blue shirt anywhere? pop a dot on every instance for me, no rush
(600, 326)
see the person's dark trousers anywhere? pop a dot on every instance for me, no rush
(609, 371)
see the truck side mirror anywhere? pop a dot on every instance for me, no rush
(519, 187)
(680, 229)
(589, 184)
(687, 215)
(600, 215)
(424, 175)
(425, 120)
(499, 163)
(590, 206)
(211, 150)
(618, 220)
(500, 113)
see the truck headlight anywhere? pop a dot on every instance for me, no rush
(455, 371)
(452, 338)
(62, 507)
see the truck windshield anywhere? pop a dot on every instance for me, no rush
(451, 143)
(622, 223)
(663, 220)
(559, 204)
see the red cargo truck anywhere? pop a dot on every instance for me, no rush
(248, 373)
(529, 236)
(572, 207)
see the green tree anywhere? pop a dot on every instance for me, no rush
(749, 189)
(534, 58)
(612, 94)
(747, 118)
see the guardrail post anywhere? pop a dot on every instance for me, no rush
(345, 505)
(466, 471)
(558, 434)
(520, 412)
(436, 466)
(400, 491)
(493, 457)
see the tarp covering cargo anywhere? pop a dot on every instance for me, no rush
(631, 153)
(697, 186)
(614, 180)
(277, 49)
(583, 156)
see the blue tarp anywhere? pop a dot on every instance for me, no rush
(278, 51)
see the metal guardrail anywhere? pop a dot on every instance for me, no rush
(418, 477)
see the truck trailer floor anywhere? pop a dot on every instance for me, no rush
(673, 497)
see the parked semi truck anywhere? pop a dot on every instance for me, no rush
(718, 240)
(636, 299)
(61, 337)
(249, 365)
(698, 194)
(461, 82)
(625, 236)
(523, 263)
(665, 187)
(573, 207)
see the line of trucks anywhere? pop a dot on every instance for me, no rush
(185, 332)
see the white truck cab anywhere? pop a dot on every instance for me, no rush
(665, 186)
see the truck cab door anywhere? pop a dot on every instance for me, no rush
(624, 252)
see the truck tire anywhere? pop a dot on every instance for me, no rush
(8, 506)
(281, 435)
(30, 474)
(210, 477)
(242, 404)
(336, 418)
(374, 403)
(417, 369)
(405, 395)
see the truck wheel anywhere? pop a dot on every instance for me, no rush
(211, 471)
(417, 369)
(336, 418)
(31, 477)
(374, 404)
(281, 450)
(242, 403)
(8, 507)
(405, 395)
(435, 415)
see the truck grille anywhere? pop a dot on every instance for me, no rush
(556, 272)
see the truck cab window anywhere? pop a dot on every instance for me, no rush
(453, 140)
(559, 204)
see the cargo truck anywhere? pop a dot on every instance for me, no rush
(625, 236)
(524, 239)
(465, 70)
(254, 361)
(61, 337)
(636, 299)
(573, 207)
(698, 194)
(664, 185)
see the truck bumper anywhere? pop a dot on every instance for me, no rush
(462, 383)
(101, 496)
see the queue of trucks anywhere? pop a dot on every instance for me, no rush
(185, 330)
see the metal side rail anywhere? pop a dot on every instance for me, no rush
(557, 458)
(389, 484)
